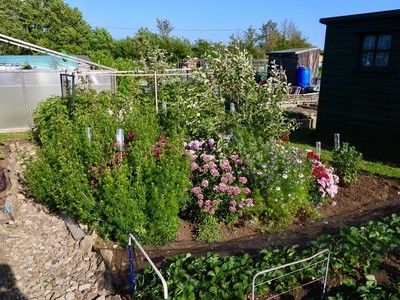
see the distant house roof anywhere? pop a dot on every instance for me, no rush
(358, 17)
(40, 62)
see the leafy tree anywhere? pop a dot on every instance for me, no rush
(287, 36)
(48, 23)
(135, 47)
(164, 27)
(178, 48)
(270, 36)
(101, 40)
(292, 37)
(202, 48)
(248, 42)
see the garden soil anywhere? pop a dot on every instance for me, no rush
(371, 198)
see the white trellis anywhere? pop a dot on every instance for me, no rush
(318, 262)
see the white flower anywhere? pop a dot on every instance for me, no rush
(285, 176)
(278, 188)
(301, 175)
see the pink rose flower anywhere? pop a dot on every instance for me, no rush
(246, 190)
(243, 180)
(204, 183)
(196, 190)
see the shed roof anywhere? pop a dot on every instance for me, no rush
(360, 17)
(292, 52)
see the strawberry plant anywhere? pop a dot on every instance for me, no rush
(215, 277)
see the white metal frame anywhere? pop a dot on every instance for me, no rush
(324, 261)
(164, 283)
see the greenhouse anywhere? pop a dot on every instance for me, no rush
(25, 80)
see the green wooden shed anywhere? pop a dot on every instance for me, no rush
(360, 84)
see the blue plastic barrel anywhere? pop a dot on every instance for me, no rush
(303, 77)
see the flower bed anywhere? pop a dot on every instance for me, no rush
(234, 165)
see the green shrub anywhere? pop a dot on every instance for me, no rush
(140, 189)
(209, 230)
(279, 178)
(346, 162)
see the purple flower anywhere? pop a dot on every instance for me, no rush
(132, 135)
(156, 152)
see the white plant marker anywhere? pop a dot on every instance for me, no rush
(89, 134)
(120, 138)
(318, 148)
(336, 139)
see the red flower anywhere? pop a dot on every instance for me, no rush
(132, 135)
(320, 172)
(312, 155)
(285, 138)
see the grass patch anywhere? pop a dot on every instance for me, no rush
(14, 136)
(305, 139)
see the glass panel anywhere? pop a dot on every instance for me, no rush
(382, 59)
(384, 42)
(369, 42)
(12, 103)
(367, 59)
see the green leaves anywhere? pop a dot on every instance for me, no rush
(347, 163)
(215, 277)
(114, 192)
(51, 24)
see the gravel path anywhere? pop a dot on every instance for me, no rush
(39, 259)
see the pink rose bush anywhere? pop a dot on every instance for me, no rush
(218, 187)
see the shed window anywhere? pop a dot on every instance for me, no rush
(375, 50)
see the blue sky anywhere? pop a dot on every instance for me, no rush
(216, 20)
